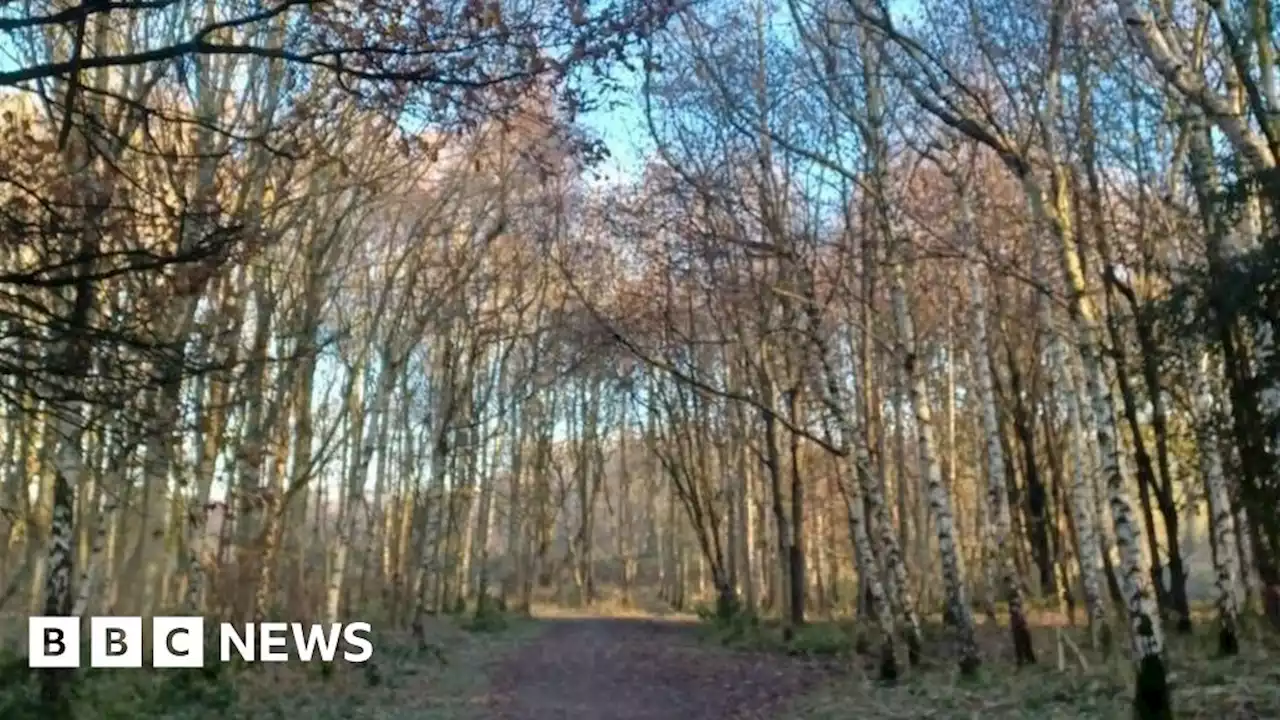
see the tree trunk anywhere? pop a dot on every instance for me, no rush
(939, 498)
(997, 491)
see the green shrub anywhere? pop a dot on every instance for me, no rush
(822, 639)
(108, 694)
(486, 619)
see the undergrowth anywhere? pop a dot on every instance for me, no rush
(108, 694)
(489, 617)
(1069, 681)
(746, 631)
(1247, 686)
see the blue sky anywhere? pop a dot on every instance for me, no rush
(620, 124)
(619, 121)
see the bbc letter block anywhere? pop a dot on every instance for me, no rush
(115, 642)
(177, 642)
(53, 642)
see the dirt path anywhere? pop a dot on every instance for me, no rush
(630, 669)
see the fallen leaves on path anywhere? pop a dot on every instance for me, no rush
(633, 669)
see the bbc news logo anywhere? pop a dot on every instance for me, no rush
(179, 642)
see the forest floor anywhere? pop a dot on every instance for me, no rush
(584, 667)
(635, 666)
(607, 665)
(597, 668)
(1068, 682)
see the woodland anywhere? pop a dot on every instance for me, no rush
(933, 338)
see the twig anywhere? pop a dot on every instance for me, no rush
(1075, 649)
(1062, 654)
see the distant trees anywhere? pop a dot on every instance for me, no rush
(171, 172)
(308, 309)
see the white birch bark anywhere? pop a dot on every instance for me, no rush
(1226, 559)
(997, 486)
(1083, 505)
(365, 444)
(868, 566)
(1146, 634)
(939, 497)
